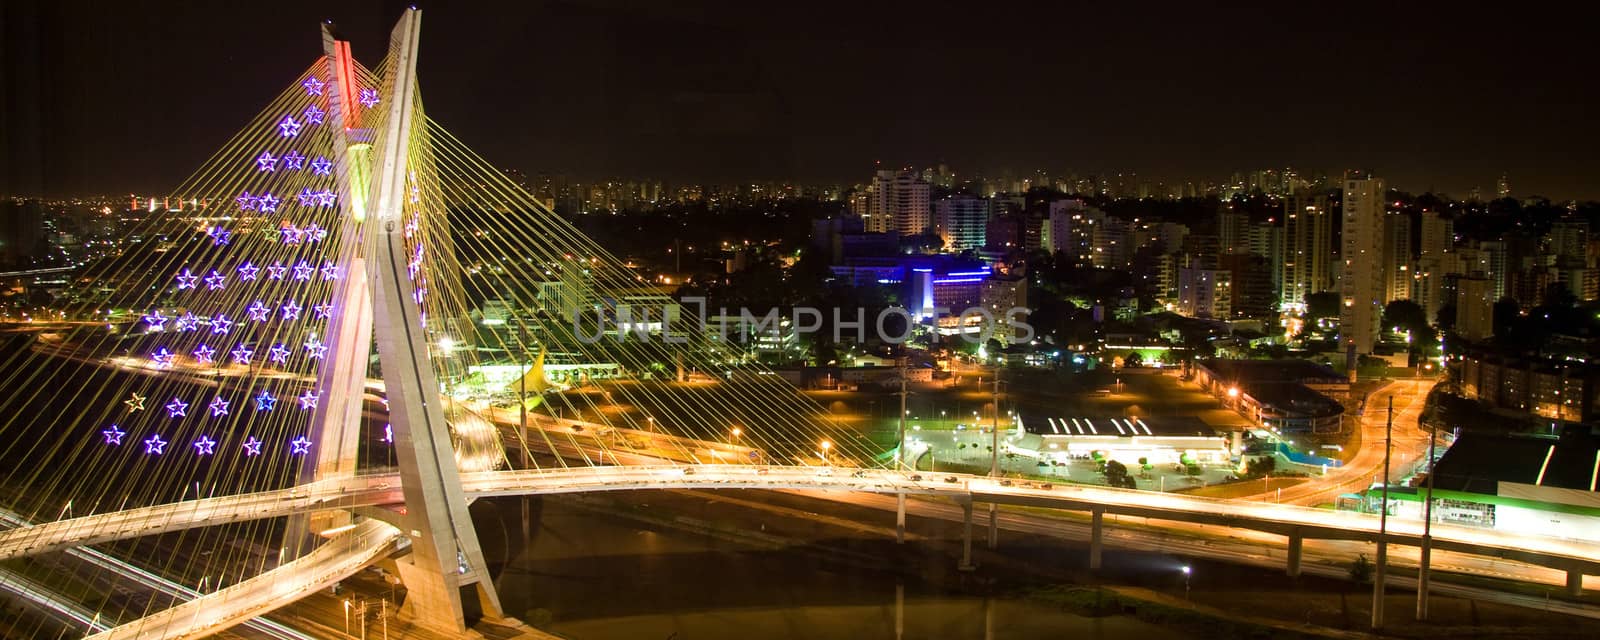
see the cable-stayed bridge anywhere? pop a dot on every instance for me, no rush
(293, 357)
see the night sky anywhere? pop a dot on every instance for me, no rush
(110, 97)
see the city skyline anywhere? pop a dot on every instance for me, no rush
(724, 93)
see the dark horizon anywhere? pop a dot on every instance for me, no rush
(724, 92)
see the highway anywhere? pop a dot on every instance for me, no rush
(1366, 467)
(383, 489)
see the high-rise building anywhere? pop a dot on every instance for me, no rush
(1205, 293)
(1474, 308)
(1396, 256)
(1265, 240)
(1231, 230)
(962, 221)
(1057, 232)
(1362, 285)
(897, 201)
(1502, 188)
(1307, 245)
(1438, 235)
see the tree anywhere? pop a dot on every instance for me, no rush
(1361, 569)
(1506, 313)
(1407, 316)
(1117, 475)
(1260, 467)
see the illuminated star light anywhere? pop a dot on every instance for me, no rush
(258, 312)
(291, 311)
(321, 166)
(155, 445)
(242, 355)
(187, 322)
(303, 271)
(278, 354)
(308, 400)
(113, 435)
(204, 446)
(300, 446)
(186, 280)
(135, 403)
(325, 197)
(292, 234)
(293, 160)
(307, 197)
(219, 407)
(313, 86)
(157, 321)
(267, 162)
(276, 271)
(248, 271)
(288, 127)
(203, 354)
(215, 281)
(177, 408)
(314, 348)
(313, 115)
(246, 201)
(315, 233)
(324, 311)
(388, 433)
(267, 203)
(221, 238)
(163, 358)
(221, 324)
(252, 446)
(330, 271)
(265, 401)
(369, 97)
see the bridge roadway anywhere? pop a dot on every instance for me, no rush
(1294, 522)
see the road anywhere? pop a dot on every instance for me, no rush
(1366, 467)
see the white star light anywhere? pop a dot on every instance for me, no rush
(248, 271)
(313, 86)
(177, 408)
(155, 445)
(204, 446)
(203, 354)
(266, 162)
(314, 348)
(321, 166)
(330, 271)
(276, 271)
(324, 311)
(242, 355)
(245, 201)
(303, 271)
(221, 324)
(186, 280)
(288, 127)
(291, 234)
(293, 160)
(307, 197)
(278, 354)
(219, 407)
(187, 322)
(258, 312)
(325, 197)
(113, 435)
(300, 446)
(308, 400)
(369, 97)
(291, 311)
(163, 358)
(313, 115)
(267, 202)
(215, 280)
(157, 321)
(252, 446)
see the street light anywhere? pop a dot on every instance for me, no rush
(826, 445)
(1186, 572)
(735, 433)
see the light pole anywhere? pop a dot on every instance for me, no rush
(899, 466)
(347, 617)
(994, 464)
(826, 445)
(1186, 572)
(733, 435)
(1383, 523)
(1423, 570)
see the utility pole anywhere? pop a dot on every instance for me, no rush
(1423, 570)
(522, 437)
(899, 466)
(1383, 524)
(994, 464)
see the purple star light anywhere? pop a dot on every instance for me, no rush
(113, 435)
(266, 162)
(289, 128)
(155, 445)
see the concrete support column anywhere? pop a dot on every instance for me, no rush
(994, 526)
(1096, 535)
(966, 537)
(1295, 544)
(1574, 582)
(900, 518)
